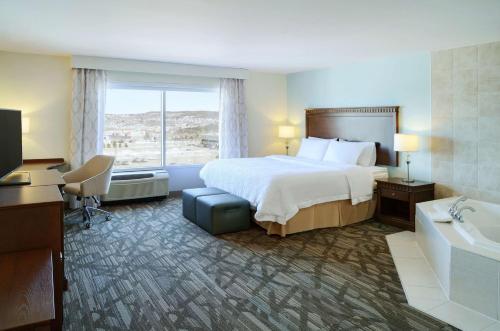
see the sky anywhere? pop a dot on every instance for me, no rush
(131, 101)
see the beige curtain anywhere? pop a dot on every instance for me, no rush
(87, 115)
(233, 131)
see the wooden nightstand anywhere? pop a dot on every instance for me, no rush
(396, 201)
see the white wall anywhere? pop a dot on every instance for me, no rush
(40, 86)
(266, 106)
(400, 81)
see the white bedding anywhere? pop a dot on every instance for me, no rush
(278, 186)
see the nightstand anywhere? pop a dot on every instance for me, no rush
(396, 201)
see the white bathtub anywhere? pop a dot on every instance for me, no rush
(481, 228)
(464, 256)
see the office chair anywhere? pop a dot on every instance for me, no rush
(89, 181)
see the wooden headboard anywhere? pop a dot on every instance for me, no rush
(377, 124)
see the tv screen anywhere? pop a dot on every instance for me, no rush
(11, 145)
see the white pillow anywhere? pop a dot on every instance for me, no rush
(368, 157)
(313, 149)
(348, 152)
(316, 138)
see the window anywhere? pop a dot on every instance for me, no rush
(149, 127)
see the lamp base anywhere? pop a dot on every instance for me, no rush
(408, 181)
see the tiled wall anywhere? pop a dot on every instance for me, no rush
(465, 146)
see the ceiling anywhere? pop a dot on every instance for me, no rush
(270, 35)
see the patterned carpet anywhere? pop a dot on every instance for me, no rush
(150, 269)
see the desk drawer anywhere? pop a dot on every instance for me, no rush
(398, 195)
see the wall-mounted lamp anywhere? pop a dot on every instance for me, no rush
(286, 132)
(25, 125)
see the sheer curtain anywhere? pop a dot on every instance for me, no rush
(87, 115)
(233, 131)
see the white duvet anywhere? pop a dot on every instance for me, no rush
(278, 186)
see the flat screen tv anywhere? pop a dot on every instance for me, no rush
(11, 145)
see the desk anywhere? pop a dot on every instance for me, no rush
(27, 290)
(42, 164)
(46, 178)
(31, 217)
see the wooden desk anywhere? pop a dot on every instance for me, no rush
(27, 290)
(31, 217)
(42, 164)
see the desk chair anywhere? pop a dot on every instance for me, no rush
(89, 181)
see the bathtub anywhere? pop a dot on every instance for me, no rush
(464, 256)
(481, 228)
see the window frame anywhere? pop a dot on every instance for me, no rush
(163, 88)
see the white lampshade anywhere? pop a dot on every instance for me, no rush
(405, 142)
(286, 131)
(25, 125)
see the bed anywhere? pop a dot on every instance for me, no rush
(296, 194)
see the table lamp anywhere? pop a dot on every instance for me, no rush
(406, 143)
(286, 132)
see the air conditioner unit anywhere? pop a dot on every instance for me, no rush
(137, 186)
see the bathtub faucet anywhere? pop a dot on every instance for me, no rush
(453, 209)
(458, 214)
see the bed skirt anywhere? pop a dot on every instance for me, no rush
(323, 215)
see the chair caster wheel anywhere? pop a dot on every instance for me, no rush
(108, 218)
(88, 225)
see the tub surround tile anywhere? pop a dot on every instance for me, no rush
(461, 317)
(403, 237)
(465, 129)
(464, 151)
(465, 58)
(471, 105)
(493, 327)
(424, 298)
(442, 60)
(489, 54)
(489, 177)
(489, 104)
(442, 190)
(442, 171)
(487, 152)
(432, 299)
(467, 260)
(442, 103)
(476, 289)
(416, 272)
(465, 174)
(442, 80)
(465, 82)
(489, 79)
(489, 196)
(488, 129)
(406, 250)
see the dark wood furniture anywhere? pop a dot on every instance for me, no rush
(27, 290)
(42, 164)
(31, 217)
(396, 201)
(375, 124)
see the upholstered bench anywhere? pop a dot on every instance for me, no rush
(189, 197)
(222, 213)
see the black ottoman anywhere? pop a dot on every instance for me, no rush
(222, 213)
(189, 197)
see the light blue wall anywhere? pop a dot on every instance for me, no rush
(399, 81)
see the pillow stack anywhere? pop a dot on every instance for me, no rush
(334, 151)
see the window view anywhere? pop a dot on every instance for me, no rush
(136, 134)
(192, 127)
(132, 128)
